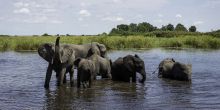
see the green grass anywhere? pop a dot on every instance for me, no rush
(23, 43)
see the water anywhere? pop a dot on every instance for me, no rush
(22, 79)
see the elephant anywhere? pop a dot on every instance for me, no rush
(85, 71)
(125, 68)
(47, 52)
(102, 65)
(60, 59)
(169, 68)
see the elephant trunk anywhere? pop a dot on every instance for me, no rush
(143, 73)
(57, 56)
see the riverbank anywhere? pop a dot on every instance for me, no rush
(24, 43)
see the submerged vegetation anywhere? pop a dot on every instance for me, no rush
(21, 43)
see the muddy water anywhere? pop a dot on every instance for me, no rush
(22, 79)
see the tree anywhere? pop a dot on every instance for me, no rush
(170, 27)
(133, 27)
(163, 28)
(45, 34)
(145, 27)
(122, 27)
(114, 31)
(192, 29)
(180, 27)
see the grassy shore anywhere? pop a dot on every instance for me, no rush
(23, 43)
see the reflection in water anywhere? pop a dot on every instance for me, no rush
(22, 78)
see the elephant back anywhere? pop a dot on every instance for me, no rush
(182, 71)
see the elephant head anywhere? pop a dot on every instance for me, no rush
(93, 50)
(135, 64)
(46, 51)
(102, 49)
(165, 67)
(63, 54)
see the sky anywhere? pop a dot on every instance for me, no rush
(77, 17)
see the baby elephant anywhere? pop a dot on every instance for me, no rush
(102, 65)
(169, 68)
(85, 72)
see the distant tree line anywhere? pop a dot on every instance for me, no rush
(144, 27)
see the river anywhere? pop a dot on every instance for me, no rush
(22, 76)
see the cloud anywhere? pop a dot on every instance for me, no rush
(83, 4)
(113, 19)
(22, 11)
(116, 1)
(158, 21)
(211, 4)
(160, 15)
(80, 19)
(36, 12)
(178, 16)
(84, 13)
(20, 4)
(55, 22)
(198, 23)
(42, 19)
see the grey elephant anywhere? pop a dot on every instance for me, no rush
(169, 68)
(60, 60)
(85, 72)
(102, 65)
(47, 52)
(125, 68)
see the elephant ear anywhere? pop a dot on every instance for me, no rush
(136, 56)
(91, 51)
(76, 62)
(102, 49)
(137, 61)
(128, 62)
(46, 51)
(173, 60)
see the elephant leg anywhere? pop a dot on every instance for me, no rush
(109, 75)
(133, 77)
(61, 76)
(91, 78)
(64, 79)
(90, 82)
(48, 75)
(57, 75)
(71, 78)
(84, 84)
(78, 80)
(94, 78)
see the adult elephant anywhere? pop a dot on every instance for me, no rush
(60, 60)
(47, 52)
(125, 68)
(169, 68)
(102, 65)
